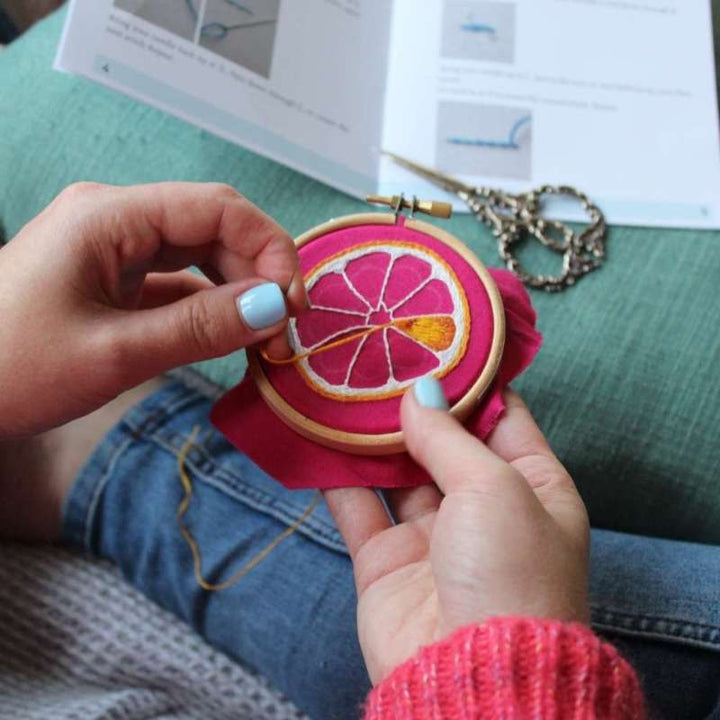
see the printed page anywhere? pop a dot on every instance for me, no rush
(301, 82)
(616, 97)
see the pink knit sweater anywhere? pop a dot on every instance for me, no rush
(513, 668)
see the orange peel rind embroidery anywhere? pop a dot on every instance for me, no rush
(443, 334)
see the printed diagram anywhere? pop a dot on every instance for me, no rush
(479, 31)
(511, 142)
(170, 15)
(242, 31)
(487, 140)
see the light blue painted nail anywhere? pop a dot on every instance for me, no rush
(429, 393)
(262, 306)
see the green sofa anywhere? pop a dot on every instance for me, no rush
(627, 385)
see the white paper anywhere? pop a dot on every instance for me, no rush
(301, 82)
(616, 97)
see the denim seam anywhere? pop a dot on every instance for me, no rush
(152, 425)
(655, 618)
(236, 483)
(98, 490)
(660, 636)
(680, 630)
(237, 488)
(81, 504)
(150, 421)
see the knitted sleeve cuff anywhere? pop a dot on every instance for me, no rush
(512, 667)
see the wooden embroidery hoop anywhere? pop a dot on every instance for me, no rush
(387, 443)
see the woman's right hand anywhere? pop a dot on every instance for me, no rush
(96, 298)
(504, 532)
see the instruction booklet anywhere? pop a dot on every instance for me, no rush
(615, 97)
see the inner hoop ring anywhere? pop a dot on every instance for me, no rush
(387, 443)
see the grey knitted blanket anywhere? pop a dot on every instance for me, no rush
(78, 643)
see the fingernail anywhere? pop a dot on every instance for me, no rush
(262, 306)
(429, 393)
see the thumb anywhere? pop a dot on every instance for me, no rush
(204, 325)
(456, 460)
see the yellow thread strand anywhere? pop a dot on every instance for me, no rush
(192, 543)
(434, 331)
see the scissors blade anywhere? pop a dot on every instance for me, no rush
(434, 176)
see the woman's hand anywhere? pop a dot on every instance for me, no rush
(503, 533)
(94, 301)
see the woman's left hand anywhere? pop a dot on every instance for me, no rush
(503, 533)
(95, 298)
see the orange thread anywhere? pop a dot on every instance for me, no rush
(433, 331)
(241, 572)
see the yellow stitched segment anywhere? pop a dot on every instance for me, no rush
(436, 332)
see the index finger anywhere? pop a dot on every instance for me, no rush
(456, 460)
(359, 514)
(168, 226)
(519, 441)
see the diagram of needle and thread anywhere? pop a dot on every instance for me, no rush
(488, 140)
(242, 31)
(479, 29)
(216, 30)
(511, 142)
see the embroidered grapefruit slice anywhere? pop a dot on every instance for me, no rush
(383, 314)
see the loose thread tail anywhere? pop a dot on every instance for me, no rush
(434, 331)
(193, 544)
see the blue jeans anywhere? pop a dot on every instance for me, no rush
(292, 618)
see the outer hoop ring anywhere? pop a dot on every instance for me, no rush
(387, 443)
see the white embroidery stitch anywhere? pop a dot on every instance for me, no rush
(340, 311)
(391, 376)
(411, 294)
(381, 297)
(353, 289)
(355, 356)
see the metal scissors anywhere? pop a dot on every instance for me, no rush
(512, 218)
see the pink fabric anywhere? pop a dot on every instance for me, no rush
(249, 424)
(376, 284)
(371, 370)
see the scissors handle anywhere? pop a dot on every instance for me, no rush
(515, 217)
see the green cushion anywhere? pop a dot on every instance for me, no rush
(626, 386)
